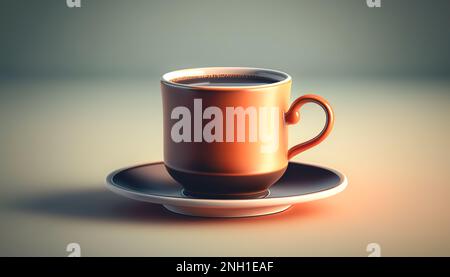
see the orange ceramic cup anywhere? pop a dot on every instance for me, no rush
(225, 141)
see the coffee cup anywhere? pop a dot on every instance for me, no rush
(226, 129)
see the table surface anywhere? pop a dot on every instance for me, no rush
(60, 138)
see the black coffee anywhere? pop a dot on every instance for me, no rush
(226, 81)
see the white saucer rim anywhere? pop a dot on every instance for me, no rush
(226, 203)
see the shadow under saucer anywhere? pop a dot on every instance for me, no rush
(98, 204)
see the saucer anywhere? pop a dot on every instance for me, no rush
(300, 183)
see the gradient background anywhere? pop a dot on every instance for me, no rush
(79, 98)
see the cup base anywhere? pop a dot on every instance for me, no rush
(204, 185)
(256, 195)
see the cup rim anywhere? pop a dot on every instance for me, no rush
(168, 78)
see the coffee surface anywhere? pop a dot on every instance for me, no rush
(226, 81)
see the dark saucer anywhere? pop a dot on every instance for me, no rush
(300, 183)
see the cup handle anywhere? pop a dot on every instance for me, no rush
(292, 116)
